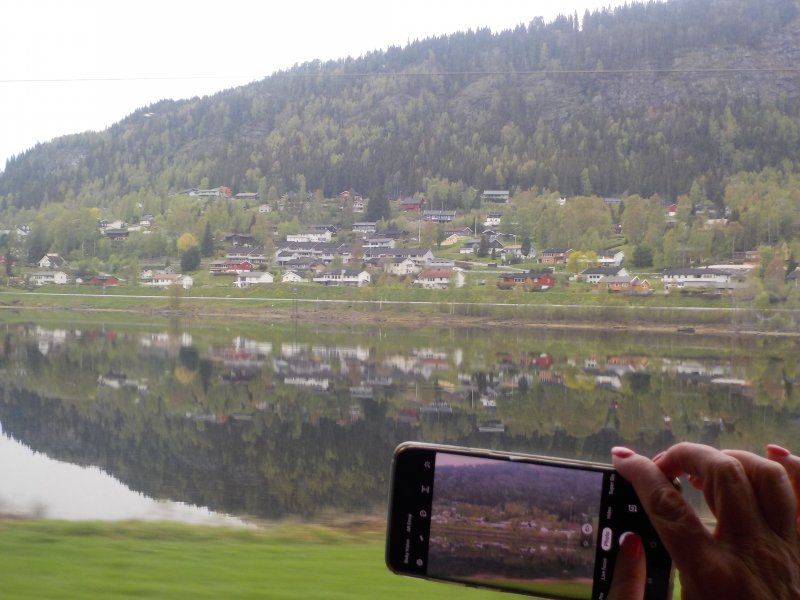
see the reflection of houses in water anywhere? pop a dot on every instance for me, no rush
(695, 371)
(317, 383)
(342, 352)
(117, 380)
(436, 408)
(491, 427)
(49, 339)
(241, 352)
(164, 344)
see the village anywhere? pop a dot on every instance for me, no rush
(365, 254)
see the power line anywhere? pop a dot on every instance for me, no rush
(320, 73)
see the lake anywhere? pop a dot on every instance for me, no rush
(250, 421)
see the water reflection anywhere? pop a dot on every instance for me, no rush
(271, 421)
(37, 486)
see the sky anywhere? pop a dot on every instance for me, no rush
(68, 66)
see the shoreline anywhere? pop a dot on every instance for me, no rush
(395, 318)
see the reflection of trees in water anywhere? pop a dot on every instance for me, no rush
(264, 447)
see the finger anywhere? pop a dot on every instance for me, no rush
(630, 569)
(678, 526)
(790, 463)
(773, 492)
(727, 489)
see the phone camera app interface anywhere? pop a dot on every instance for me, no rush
(515, 525)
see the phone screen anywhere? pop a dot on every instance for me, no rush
(517, 524)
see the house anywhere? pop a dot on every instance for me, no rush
(420, 256)
(595, 274)
(458, 230)
(365, 227)
(379, 242)
(294, 277)
(165, 280)
(469, 247)
(358, 205)
(264, 208)
(700, 278)
(439, 279)
(244, 280)
(532, 281)
(230, 267)
(254, 256)
(451, 240)
(412, 204)
(625, 284)
(344, 277)
(240, 240)
(493, 219)
(104, 280)
(52, 261)
(552, 256)
(441, 263)
(247, 196)
(48, 277)
(747, 257)
(310, 235)
(439, 216)
(116, 235)
(146, 220)
(401, 267)
(500, 196)
(217, 192)
(610, 258)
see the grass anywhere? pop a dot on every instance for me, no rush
(45, 560)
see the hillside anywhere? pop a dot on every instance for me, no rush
(644, 99)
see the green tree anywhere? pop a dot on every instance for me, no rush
(190, 259)
(207, 243)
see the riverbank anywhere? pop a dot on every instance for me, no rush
(649, 317)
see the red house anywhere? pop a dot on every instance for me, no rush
(103, 280)
(533, 281)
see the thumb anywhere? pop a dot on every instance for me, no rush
(630, 569)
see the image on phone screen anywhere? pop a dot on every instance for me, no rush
(533, 525)
(514, 525)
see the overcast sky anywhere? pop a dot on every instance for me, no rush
(73, 65)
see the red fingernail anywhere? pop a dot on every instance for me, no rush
(622, 452)
(631, 544)
(775, 451)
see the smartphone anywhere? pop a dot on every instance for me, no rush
(528, 524)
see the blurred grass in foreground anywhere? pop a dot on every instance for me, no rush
(50, 559)
(45, 560)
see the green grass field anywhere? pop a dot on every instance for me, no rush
(45, 560)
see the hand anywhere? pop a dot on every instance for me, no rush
(754, 551)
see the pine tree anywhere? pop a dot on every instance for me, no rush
(207, 245)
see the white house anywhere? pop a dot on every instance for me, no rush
(439, 279)
(47, 277)
(244, 280)
(595, 274)
(344, 277)
(165, 280)
(264, 208)
(610, 258)
(310, 235)
(493, 220)
(401, 267)
(699, 278)
(52, 261)
(293, 277)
